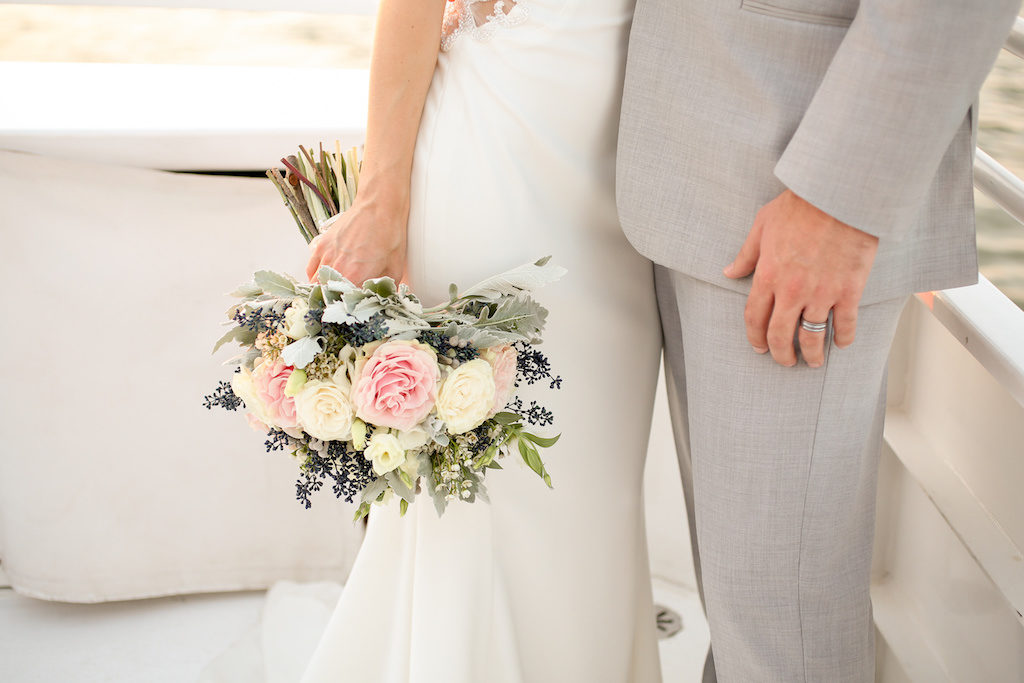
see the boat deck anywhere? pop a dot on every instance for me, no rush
(172, 639)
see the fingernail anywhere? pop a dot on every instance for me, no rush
(727, 271)
(814, 365)
(761, 349)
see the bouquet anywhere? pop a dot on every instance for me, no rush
(367, 388)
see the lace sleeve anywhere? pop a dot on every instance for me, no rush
(479, 18)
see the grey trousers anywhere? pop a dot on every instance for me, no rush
(779, 468)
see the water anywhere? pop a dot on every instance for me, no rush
(195, 36)
(1001, 134)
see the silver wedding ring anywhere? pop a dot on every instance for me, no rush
(813, 327)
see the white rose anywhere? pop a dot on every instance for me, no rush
(295, 318)
(413, 439)
(245, 389)
(411, 466)
(385, 451)
(466, 396)
(324, 411)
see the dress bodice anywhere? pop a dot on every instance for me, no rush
(481, 19)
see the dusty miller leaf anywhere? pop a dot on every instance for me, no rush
(274, 283)
(526, 277)
(301, 352)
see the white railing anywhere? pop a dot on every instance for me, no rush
(948, 588)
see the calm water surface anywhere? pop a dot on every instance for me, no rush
(193, 36)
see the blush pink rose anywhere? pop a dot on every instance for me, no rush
(270, 380)
(503, 361)
(257, 424)
(397, 385)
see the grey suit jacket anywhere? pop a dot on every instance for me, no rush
(865, 109)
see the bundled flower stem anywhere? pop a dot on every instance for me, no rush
(315, 189)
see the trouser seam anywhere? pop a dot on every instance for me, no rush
(803, 505)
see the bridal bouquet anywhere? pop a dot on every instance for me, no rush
(367, 388)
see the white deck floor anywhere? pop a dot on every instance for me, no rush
(172, 639)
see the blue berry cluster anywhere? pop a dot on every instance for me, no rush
(223, 397)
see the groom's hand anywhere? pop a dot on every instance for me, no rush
(805, 263)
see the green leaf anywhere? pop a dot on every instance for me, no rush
(532, 458)
(403, 507)
(506, 418)
(542, 441)
(316, 298)
(384, 287)
(273, 283)
(361, 511)
(242, 335)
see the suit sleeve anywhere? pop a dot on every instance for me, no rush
(897, 90)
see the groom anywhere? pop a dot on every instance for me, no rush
(795, 168)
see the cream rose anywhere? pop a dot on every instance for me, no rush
(466, 397)
(324, 410)
(385, 452)
(245, 388)
(295, 318)
(413, 439)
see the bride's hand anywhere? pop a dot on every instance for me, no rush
(366, 241)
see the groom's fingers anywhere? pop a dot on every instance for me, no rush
(757, 314)
(812, 344)
(781, 332)
(745, 262)
(844, 323)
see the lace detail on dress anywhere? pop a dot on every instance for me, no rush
(479, 18)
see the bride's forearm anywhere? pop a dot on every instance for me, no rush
(405, 47)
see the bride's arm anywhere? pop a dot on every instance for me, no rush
(369, 240)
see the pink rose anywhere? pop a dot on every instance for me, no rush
(397, 386)
(270, 380)
(256, 423)
(503, 361)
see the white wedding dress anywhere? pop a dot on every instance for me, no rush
(514, 161)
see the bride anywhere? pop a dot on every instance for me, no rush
(484, 150)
